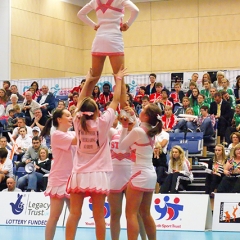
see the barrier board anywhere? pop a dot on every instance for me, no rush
(226, 215)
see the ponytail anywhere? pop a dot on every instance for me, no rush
(47, 127)
(156, 129)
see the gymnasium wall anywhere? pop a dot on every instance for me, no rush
(168, 36)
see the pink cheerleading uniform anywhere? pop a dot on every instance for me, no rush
(92, 162)
(61, 169)
(121, 160)
(143, 177)
(108, 40)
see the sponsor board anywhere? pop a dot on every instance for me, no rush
(226, 215)
(25, 209)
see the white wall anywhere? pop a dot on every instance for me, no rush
(5, 41)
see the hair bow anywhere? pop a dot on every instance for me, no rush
(80, 114)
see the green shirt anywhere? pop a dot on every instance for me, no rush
(196, 109)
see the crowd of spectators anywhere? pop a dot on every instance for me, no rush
(205, 106)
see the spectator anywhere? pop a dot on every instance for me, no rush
(225, 84)
(6, 87)
(205, 78)
(229, 98)
(11, 123)
(23, 141)
(77, 89)
(46, 100)
(37, 92)
(193, 97)
(169, 120)
(210, 99)
(74, 100)
(11, 186)
(231, 181)
(160, 157)
(34, 180)
(222, 111)
(206, 90)
(105, 96)
(14, 102)
(145, 102)
(237, 90)
(218, 83)
(36, 131)
(14, 90)
(96, 93)
(3, 97)
(179, 172)
(215, 170)
(178, 95)
(6, 167)
(39, 119)
(21, 123)
(157, 95)
(139, 95)
(235, 140)
(192, 85)
(235, 126)
(183, 108)
(200, 103)
(150, 88)
(29, 106)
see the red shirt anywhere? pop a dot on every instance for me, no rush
(104, 99)
(155, 96)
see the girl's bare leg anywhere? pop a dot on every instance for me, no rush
(98, 201)
(148, 221)
(76, 202)
(142, 231)
(55, 212)
(115, 201)
(134, 199)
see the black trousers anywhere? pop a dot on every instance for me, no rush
(212, 182)
(173, 181)
(229, 185)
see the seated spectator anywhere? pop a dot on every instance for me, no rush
(193, 97)
(73, 108)
(14, 102)
(139, 95)
(32, 180)
(235, 140)
(186, 124)
(74, 100)
(145, 102)
(235, 124)
(105, 96)
(46, 100)
(3, 144)
(218, 83)
(200, 103)
(61, 105)
(222, 111)
(21, 123)
(18, 113)
(210, 99)
(160, 158)
(11, 186)
(6, 87)
(36, 131)
(164, 101)
(225, 84)
(6, 166)
(23, 141)
(32, 152)
(179, 172)
(215, 170)
(237, 90)
(39, 119)
(229, 98)
(14, 90)
(206, 90)
(192, 85)
(95, 93)
(77, 89)
(34, 89)
(2, 110)
(205, 122)
(29, 106)
(150, 88)
(45, 134)
(3, 97)
(157, 95)
(169, 120)
(177, 96)
(183, 108)
(231, 180)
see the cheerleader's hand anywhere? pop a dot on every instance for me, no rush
(96, 27)
(124, 121)
(124, 27)
(129, 110)
(89, 76)
(121, 73)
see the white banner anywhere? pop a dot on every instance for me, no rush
(26, 209)
(226, 215)
(170, 211)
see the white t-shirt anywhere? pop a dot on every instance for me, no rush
(161, 136)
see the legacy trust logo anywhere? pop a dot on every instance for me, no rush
(18, 206)
(106, 208)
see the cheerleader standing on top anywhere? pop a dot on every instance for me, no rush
(92, 161)
(62, 142)
(143, 179)
(108, 40)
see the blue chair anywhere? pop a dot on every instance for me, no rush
(62, 97)
(20, 172)
(195, 143)
(175, 139)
